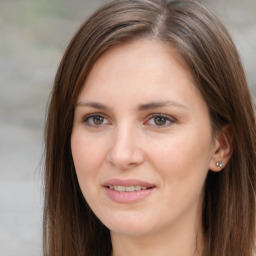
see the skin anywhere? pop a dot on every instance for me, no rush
(124, 141)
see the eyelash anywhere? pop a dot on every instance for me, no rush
(165, 117)
(87, 118)
(152, 116)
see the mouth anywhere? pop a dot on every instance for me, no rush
(128, 191)
(128, 188)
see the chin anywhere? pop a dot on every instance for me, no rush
(131, 231)
(129, 225)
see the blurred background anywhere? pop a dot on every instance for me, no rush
(33, 37)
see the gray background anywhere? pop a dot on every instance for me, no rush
(33, 36)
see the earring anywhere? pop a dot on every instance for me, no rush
(219, 164)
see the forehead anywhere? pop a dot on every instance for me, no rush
(139, 71)
(148, 54)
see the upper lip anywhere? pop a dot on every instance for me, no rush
(127, 182)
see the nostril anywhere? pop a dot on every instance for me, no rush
(125, 155)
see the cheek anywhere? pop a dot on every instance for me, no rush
(88, 155)
(175, 154)
(183, 172)
(183, 159)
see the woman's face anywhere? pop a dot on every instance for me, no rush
(142, 141)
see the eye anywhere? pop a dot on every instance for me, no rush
(160, 120)
(95, 120)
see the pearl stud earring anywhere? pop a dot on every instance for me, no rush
(219, 164)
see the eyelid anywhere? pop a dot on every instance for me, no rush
(168, 118)
(86, 117)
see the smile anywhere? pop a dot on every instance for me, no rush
(128, 188)
(128, 191)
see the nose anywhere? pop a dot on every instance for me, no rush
(125, 152)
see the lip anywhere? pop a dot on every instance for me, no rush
(126, 197)
(128, 182)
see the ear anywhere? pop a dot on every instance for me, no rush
(223, 148)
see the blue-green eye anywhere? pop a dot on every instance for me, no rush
(160, 120)
(95, 120)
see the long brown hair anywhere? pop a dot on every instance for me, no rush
(70, 227)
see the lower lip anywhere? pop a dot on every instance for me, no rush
(127, 197)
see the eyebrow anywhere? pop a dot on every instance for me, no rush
(158, 104)
(93, 105)
(141, 107)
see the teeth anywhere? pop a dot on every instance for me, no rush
(128, 188)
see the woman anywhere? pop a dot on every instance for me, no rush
(150, 137)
